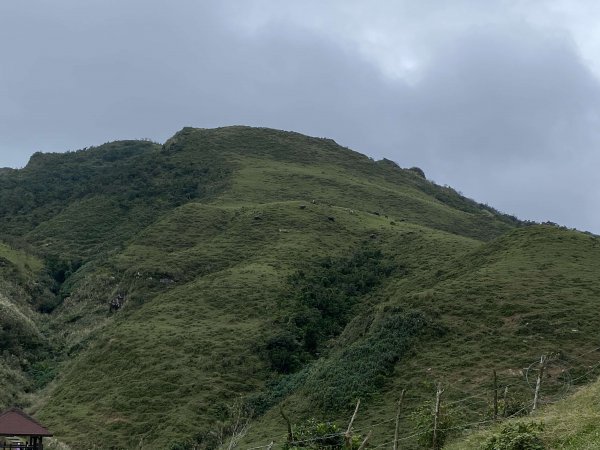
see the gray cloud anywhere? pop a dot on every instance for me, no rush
(497, 107)
(500, 108)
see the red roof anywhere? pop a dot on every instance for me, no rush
(15, 422)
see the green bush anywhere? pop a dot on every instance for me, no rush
(42, 373)
(517, 436)
(418, 171)
(285, 352)
(275, 390)
(320, 435)
(362, 368)
(515, 406)
(322, 299)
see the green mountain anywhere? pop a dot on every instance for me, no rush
(154, 296)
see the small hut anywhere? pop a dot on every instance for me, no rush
(20, 431)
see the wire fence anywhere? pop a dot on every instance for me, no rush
(548, 381)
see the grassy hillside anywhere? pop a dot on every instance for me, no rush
(267, 268)
(571, 424)
(21, 341)
(497, 306)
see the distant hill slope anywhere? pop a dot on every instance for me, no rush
(279, 268)
(102, 196)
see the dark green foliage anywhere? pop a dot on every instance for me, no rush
(418, 171)
(320, 435)
(362, 369)
(60, 269)
(51, 290)
(335, 283)
(49, 304)
(517, 436)
(286, 354)
(323, 296)
(357, 371)
(42, 373)
(275, 391)
(516, 405)
(105, 194)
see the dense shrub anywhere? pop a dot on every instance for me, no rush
(517, 436)
(418, 171)
(42, 373)
(285, 352)
(362, 368)
(320, 435)
(275, 390)
(117, 188)
(322, 299)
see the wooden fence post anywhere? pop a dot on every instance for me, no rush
(505, 400)
(289, 425)
(362, 446)
(538, 384)
(348, 433)
(436, 417)
(495, 396)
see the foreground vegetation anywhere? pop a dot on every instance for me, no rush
(253, 270)
(569, 424)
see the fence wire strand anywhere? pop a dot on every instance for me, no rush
(473, 398)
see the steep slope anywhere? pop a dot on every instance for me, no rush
(218, 286)
(23, 345)
(496, 306)
(283, 269)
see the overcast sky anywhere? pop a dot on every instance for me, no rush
(498, 99)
